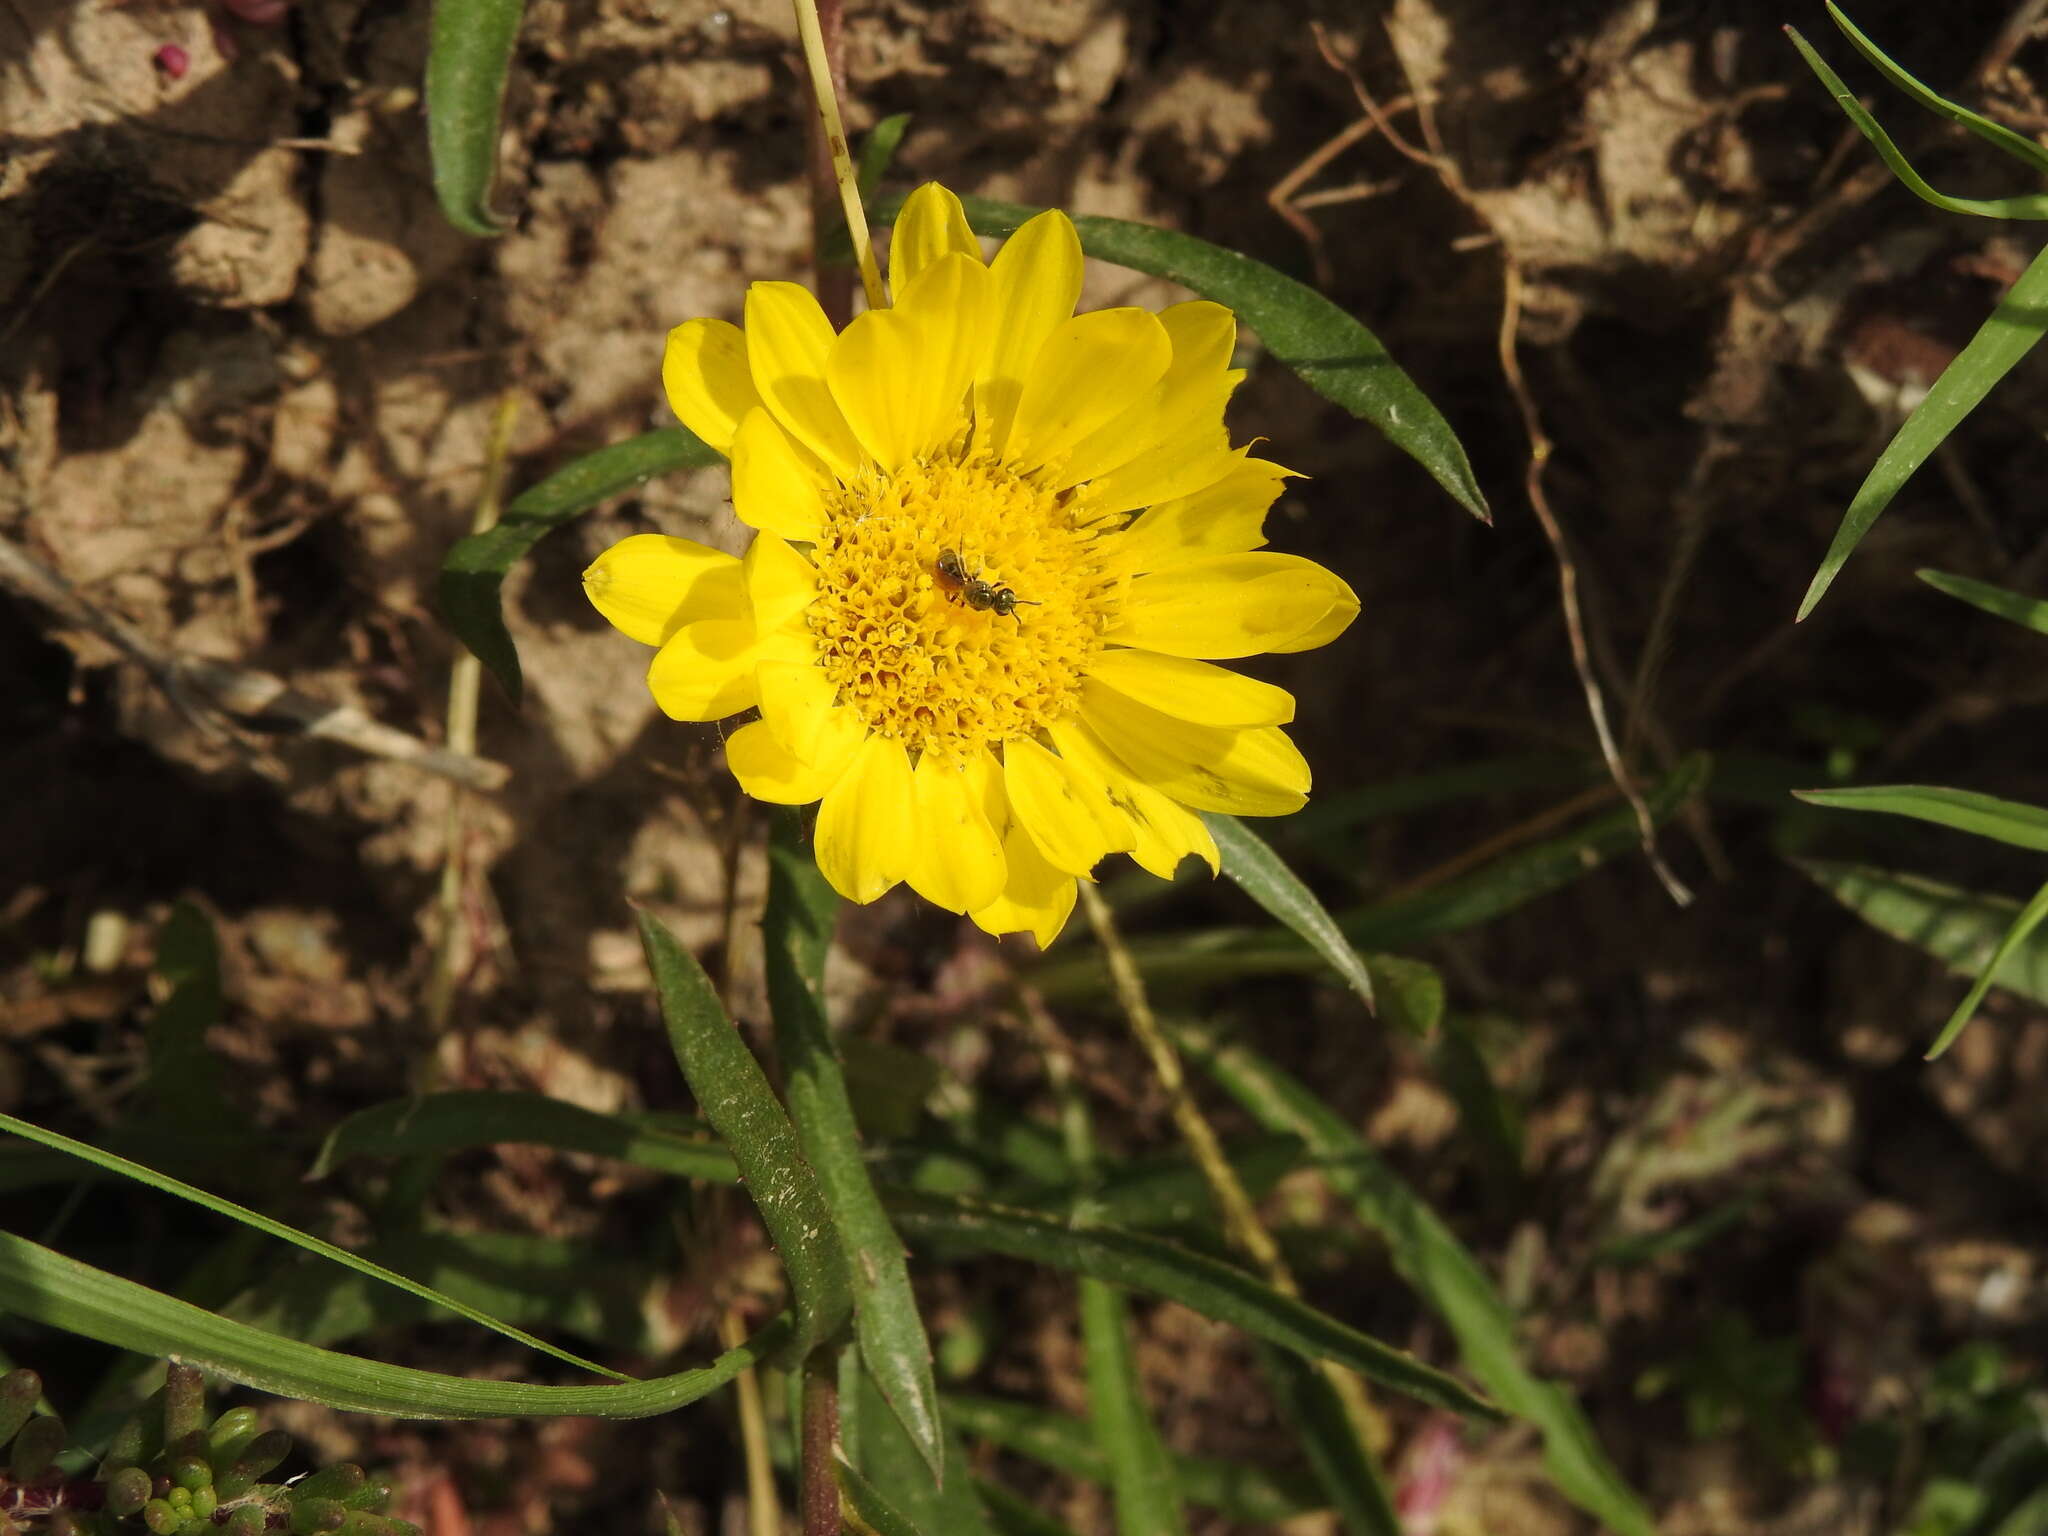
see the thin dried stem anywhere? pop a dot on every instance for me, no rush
(825, 89)
(764, 1510)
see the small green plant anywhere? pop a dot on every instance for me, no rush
(172, 1471)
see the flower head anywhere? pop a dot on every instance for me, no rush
(1000, 546)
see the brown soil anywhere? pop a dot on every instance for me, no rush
(247, 377)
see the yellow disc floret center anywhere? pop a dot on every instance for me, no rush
(909, 616)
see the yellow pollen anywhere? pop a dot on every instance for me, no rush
(902, 643)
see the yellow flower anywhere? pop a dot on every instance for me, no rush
(999, 547)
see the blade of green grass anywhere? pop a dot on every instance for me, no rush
(2029, 612)
(1209, 1286)
(1013, 1515)
(797, 932)
(264, 1224)
(882, 1449)
(468, 59)
(1245, 1494)
(2020, 148)
(1344, 1465)
(2022, 929)
(1334, 355)
(1440, 1268)
(2003, 339)
(461, 1119)
(474, 569)
(47, 1287)
(1141, 1476)
(878, 151)
(2004, 821)
(733, 1092)
(1265, 877)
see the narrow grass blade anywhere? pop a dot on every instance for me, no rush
(468, 58)
(878, 152)
(459, 1120)
(1967, 931)
(733, 1092)
(1334, 355)
(58, 1292)
(1208, 1286)
(797, 931)
(2004, 821)
(1265, 877)
(184, 1076)
(1343, 1464)
(882, 1449)
(2028, 612)
(1016, 1516)
(869, 1514)
(1245, 1494)
(1441, 1269)
(264, 1224)
(1140, 1472)
(474, 569)
(2016, 145)
(2030, 206)
(2022, 929)
(2001, 341)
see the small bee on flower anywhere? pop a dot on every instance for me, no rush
(1082, 457)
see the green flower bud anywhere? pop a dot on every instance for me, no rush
(335, 1482)
(161, 1519)
(18, 1393)
(311, 1517)
(204, 1502)
(128, 1490)
(184, 1402)
(191, 1472)
(35, 1448)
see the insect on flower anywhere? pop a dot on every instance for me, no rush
(977, 435)
(976, 593)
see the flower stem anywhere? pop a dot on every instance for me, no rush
(820, 1443)
(824, 89)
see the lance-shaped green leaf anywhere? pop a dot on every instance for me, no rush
(874, 1440)
(2022, 929)
(2023, 149)
(1141, 1475)
(1246, 1494)
(797, 932)
(261, 1223)
(869, 1514)
(2001, 341)
(1440, 1268)
(878, 152)
(459, 1120)
(468, 58)
(2004, 821)
(1265, 877)
(733, 1092)
(1334, 355)
(47, 1287)
(1209, 1286)
(1323, 1427)
(474, 570)
(2028, 612)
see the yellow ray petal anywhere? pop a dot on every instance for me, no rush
(1036, 281)
(788, 340)
(797, 702)
(1332, 624)
(1192, 690)
(1164, 472)
(1226, 517)
(778, 485)
(1184, 407)
(650, 585)
(1166, 831)
(705, 375)
(867, 826)
(1086, 373)
(957, 862)
(769, 771)
(900, 375)
(706, 670)
(932, 224)
(1036, 898)
(1243, 773)
(1073, 825)
(781, 583)
(1224, 606)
